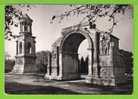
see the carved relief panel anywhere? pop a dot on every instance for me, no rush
(104, 43)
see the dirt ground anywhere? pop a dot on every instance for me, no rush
(35, 84)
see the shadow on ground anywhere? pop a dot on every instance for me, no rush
(32, 84)
(16, 88)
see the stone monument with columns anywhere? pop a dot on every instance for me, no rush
(25, 48)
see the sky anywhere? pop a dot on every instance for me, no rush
(46, 33)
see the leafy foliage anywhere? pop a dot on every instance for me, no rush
(83, 65)
(12, 16)
(9, 64)
(91, 13)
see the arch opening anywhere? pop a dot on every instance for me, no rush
(83, 58)
(70, 56)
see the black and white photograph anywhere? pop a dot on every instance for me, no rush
(84, 49)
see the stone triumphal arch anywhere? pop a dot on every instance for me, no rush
(103, 66)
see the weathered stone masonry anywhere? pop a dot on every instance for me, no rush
(104, 67)
(25, 48)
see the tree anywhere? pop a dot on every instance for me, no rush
(12, 16)
(86, 64)
(42, 61)
(9, 63)
(82, 65)
(92, 12)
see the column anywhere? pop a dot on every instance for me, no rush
(89, 78)
(60, 66)
(21, 27)
(90, 62)
(112, 75)
(49, 64)
(16, 47)
(47, 75)
(96, 56)
(23, 48)
(33, 49)
(58, 61)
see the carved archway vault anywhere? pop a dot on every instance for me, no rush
(69, 51)
(102, 55)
